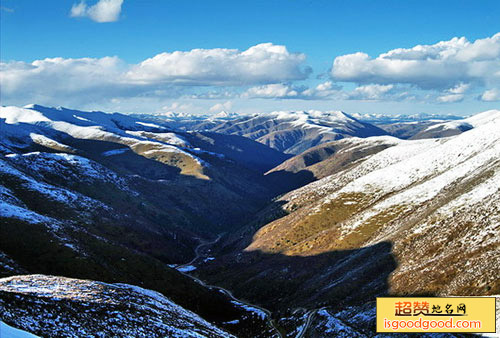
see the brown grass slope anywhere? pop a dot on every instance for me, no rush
(434, 203)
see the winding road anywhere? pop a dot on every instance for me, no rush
(197, 250)
(310, 315)
(221, 289)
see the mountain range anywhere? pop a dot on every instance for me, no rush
(291, 222)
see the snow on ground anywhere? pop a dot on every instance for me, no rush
(8, 210)
(151, 125)
(250, 308)
(166, 304)
(51, 192)
(168, 138)
(49, 143)
(126, 310)
(95, 126)
(81, 118)
(325, 186)
(478, 194)
(172, 138)
(115, 152)
(406, 178)
(322, 121)
(186, 268)
(335, 327)
(58, 163)
(7, 331)
(468, 123)
(470, 149)
(14, 115)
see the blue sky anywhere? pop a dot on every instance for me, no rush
(104, 57)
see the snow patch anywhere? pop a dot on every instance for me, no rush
(7, 331)
(114, 152)
(186, 268)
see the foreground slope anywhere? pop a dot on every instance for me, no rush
(55, 306)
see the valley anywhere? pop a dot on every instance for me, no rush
(285, 224)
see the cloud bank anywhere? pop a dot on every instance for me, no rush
(443, 73)
(445, 64)
(262, 63)
(166, 74)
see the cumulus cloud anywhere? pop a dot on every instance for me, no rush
(221, 107)
(491, 95)
(450, 98)
(325, 91)
(264, 63)
(443, 65)
(59, 77)
(165, 75)
(455, 94)
(370, 92)
(277, 90)
(102, 11)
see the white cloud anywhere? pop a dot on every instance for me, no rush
(165, 75)
(442, 65)
(102, 11)
(277, 90)
(450, 98)
(370, 92)
(78, 10)
(455, 94)
(58, 77)
(214, 95)
(461, 88)
(325, 91)
(221, 107)
(261, 64)
(491, 95)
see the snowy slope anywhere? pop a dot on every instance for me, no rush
(293, 131)
(7, 331)
(436, 200)
(52, 127)
(451, 128)
(57, 306)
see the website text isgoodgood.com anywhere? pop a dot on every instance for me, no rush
(428, 324)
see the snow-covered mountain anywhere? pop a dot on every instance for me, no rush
(327, 158)
(50, 128)
(113, 198)
(418, 217)
(428, 195)
(378, 118)
(294, 132)
(256, 126)
(63, 307)
(121, 199)
(450, 128)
